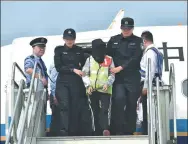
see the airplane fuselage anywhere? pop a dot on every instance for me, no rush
(171, 40)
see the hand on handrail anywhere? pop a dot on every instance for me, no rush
(44, 81)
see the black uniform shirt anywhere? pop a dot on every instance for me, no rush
(66, 59)
(126, 52)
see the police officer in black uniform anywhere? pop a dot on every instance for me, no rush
(126, 50)
(70, 91)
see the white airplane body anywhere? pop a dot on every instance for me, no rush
(173, 36)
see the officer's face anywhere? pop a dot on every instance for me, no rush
(39, 51)
(127, 32)
(69, 43)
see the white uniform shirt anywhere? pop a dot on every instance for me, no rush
(144, 64)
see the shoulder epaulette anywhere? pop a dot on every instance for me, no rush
(116, 35)
(137, 37)
(32, 56)
(28, 57)
(78, 47)
(59, 46)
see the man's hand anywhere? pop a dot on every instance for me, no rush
(78, 72)
(44, 81)
(105, 87)
(144, 91)
(89, 90)
(116, 70)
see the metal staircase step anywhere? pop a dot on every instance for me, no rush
(94, 140)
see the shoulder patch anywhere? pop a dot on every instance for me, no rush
(28, 57)
(29, 60)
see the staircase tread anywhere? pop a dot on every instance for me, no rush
(94, 137)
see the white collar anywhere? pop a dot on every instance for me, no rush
(36, 56)
(150, 46)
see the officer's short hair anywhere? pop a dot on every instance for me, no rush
(147, 35)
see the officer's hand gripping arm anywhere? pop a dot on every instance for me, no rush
(111, 77)
(86, 70)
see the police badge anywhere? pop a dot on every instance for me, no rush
(42, 40)
(126, 22)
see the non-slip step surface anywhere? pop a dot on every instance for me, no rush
(94, 140)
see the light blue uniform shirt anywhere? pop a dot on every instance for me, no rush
(53, 75)
(29, 62)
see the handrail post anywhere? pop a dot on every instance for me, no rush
(149, 93)
(12, 93)
(13, 98)
(14, 106)
(159, 113)
(28, 101)
(172, 82)
(13, 116)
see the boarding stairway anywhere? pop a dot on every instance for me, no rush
(28, 115)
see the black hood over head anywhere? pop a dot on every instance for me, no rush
(98, 50)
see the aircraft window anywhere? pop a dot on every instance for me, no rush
(84, 45)
(184, 87)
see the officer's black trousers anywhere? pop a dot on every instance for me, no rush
(55, 120)
(85, 121)
(144, 110)
(100, 105)
(124, 102)
(70, 95)
(145, 121)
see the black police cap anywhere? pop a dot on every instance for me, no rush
(69, 34)
(41, 41)
(127, 23)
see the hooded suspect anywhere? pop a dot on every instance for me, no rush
(98, 50)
